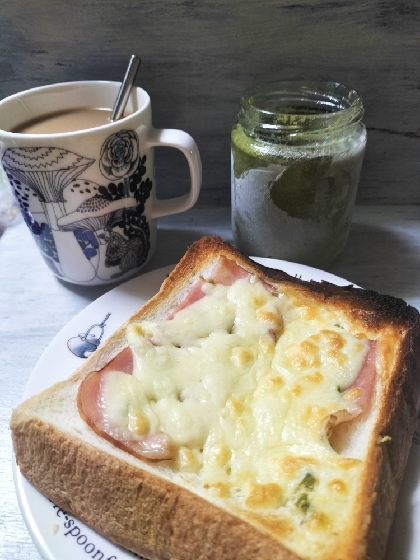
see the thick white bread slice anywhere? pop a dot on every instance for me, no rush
(157, 512)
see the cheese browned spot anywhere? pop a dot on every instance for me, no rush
(338, 485)
(291, 465)
(264, 496)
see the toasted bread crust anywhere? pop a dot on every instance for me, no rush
(168, 521)
(148, 515)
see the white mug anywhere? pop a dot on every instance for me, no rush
(88, 195)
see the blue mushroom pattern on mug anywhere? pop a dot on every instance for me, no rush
(104, 225)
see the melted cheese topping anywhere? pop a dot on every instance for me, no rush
(245, 382)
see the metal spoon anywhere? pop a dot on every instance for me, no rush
(125, 88)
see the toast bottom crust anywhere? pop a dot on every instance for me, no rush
(133, 508)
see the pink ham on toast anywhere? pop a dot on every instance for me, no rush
(158, 446)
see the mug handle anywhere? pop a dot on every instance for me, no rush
(182, 141)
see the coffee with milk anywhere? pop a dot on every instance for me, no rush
(72, 120)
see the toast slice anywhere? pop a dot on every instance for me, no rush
(240, 414)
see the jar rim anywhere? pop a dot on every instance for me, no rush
(295, 106)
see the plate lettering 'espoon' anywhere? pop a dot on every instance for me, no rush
(125, 88)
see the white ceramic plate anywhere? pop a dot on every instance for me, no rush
(58, 535)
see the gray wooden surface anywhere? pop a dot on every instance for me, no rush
(199, 55)
(382, 253)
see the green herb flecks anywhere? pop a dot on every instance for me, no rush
(303, 503)
(306, 485)
(208, 280)
(308, 482)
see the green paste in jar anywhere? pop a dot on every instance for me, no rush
(297, 150)
(306, 174)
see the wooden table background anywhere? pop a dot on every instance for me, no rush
(199, 56)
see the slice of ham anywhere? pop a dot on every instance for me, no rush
(195, 294)
(153, 447)
(122, 362)
(157, 447)
(225, 272)
(365, 381)
(360, 392)
(89, 395)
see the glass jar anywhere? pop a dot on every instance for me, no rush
(297, 150)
